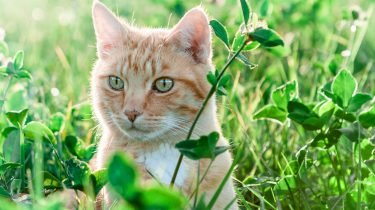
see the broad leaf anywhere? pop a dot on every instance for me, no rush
(99, 178)
(78, 173)
(367, 119)
(357, 101)
(76, 147)
(343, 87)
(36, 130)
(239, 40)
(17, 118)
(370, 165)
(18, 60)
(245, 10)
(271, 112)
(4, 194)
(11, 144)
(285, 93)
(211, 78)
(204, 147)
(23, 74)
(123, 177)
(264, 8)
(220, 31)
(158, 197)
(353, 133)
(301, 114)
(57, 121)
(6, 166)
(286, 183)
(266, 37)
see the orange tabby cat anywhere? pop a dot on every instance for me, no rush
(147, 86)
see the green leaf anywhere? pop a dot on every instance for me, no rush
(266, 37)
(352, 132)
(286, 183)
(335, 64)
(245, 61)
(221, 91)
(358, 101)
(23, 74)
(271, 112)
(6, 166)
(18, 60)
(158, 197)
(36, 130)
(220, 31)
(78, 172)
(367, 118)
(225, 80)
(57, 121)
(77, 148)
(99, 178)
(370, 165)
(239, 40)
(204, 147)
(264, 8)
(211, 78)
(301, 114)
(11, 146)
(345, 115)
(245, 10)
(17, 118)
(50, 181)
(343, 87)
(285, 93)
(4, 48)
(123, 177)
(4, 194)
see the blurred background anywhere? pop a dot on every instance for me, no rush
(321, 36)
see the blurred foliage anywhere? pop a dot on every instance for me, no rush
(321, 38)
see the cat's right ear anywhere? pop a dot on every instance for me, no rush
(108, 29)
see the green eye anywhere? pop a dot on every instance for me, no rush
(115, 83)
(163, 84)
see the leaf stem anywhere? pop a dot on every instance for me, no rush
(204, 104)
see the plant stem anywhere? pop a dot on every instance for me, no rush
(204, 104)
(359, 167)
(22, 159)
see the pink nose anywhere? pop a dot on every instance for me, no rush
(132, 115)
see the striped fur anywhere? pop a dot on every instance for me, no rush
(139, 56)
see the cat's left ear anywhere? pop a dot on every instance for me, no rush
(108, 29)
(192, 35)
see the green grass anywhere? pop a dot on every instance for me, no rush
(59, 44)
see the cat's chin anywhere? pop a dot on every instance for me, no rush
(141, 135)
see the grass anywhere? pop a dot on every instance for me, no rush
(59, 44)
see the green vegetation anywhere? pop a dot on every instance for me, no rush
(297, 99)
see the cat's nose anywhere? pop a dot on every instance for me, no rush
(132, 115)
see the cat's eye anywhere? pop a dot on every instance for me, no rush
(163, 84)
(115, 83)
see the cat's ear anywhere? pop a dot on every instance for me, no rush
(108, 29)
(192, 35)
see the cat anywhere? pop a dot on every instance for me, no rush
(147, 86)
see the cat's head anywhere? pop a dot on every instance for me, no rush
(149, 82)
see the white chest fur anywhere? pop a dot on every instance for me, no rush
(161, 163)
